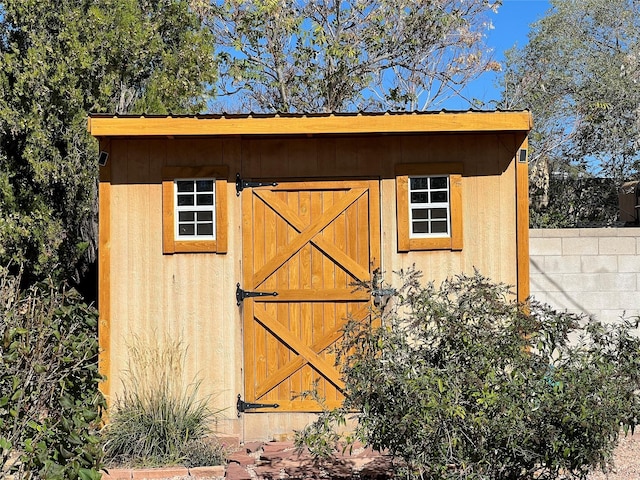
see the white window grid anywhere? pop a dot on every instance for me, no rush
(424, 213)
(195, 209)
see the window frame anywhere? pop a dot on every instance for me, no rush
(170, 242)
(195, 209)
(404, 172)
(429, 206)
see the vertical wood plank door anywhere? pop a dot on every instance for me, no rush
(309, 242)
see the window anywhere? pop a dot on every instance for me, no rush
(194, 209)
(429, 206)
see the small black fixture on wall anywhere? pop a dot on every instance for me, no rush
(523, 155)
(102, 159)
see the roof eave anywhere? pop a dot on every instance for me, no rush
(440, 122)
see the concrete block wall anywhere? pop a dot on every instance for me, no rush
(587, 270)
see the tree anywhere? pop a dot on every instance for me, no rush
(328, 56)
(60, 60)
(462, 382)
(580, 76)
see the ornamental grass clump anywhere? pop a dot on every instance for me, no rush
(159, 419)
(463, 382)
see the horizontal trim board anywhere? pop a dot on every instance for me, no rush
(100, 126)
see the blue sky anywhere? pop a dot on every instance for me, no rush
(511, 26)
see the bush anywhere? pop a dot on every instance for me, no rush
(49, 400)
(203, 452)
(159, 420)
(462, 382)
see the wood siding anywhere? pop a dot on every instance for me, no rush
(192, 295)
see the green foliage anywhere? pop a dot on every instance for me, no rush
(325, 435)
(326, 56)
(462, 382)
(60, 60)
(49, 400)
(579, 74)
(158, 419)
(203, 452)
(573, 201)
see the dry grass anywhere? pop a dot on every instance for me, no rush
(159, 419)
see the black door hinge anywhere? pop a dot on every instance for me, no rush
(242, 294)
(242, 184)
(243, 406)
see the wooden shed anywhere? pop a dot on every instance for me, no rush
(203, 219)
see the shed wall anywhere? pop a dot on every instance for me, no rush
(192, 296)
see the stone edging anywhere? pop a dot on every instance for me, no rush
(269, 460)
(203, 473)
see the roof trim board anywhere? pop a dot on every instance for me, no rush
(430, 122)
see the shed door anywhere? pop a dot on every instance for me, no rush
(309, 242)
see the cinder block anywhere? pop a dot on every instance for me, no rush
(628, 232)
(538, 295)
(598, 282)
(592, 301)
(564, 301)
(597, 232)
(616, 315)
(548, 298)
(576, 282)
(544, 283)
(629, 263)
(617, 246)
(558, 232)
(579, 246)
(589, 303)
(599, 263)
(562, 264)
(536, 232)
(545, 246)
(536, 264)
(625, 283)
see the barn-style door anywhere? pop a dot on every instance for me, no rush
(308, 242)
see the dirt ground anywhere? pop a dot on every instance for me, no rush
(627, 460)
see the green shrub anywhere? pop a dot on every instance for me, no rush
(203, 452)
(49, 400)
(462, 382)
(158, 416)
